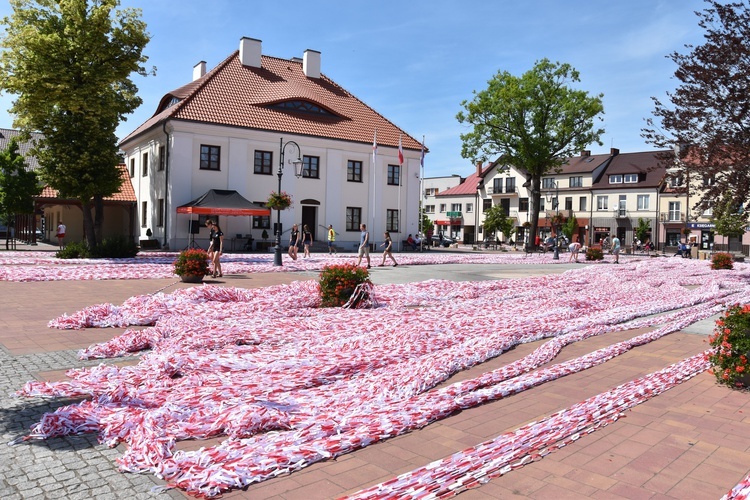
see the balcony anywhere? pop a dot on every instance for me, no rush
(619, 213)
(510, 190)
(672, 216)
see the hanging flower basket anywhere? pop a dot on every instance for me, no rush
(557, 220)
(279, 201)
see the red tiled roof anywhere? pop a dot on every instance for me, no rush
(468, 186)
(239, 96)
(126, 193)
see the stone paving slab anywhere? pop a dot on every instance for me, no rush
(691, 442)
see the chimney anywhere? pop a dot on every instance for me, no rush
(614, 152)
(585, 153)
(250, 52)
(311, 63)
(199, 70)
(479, 169)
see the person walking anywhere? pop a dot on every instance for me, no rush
(387, 251)
(294, 239)
(331, 239)
(364, 245)
(616, 249)
(306, 240)
(61, 235)
(215, 247)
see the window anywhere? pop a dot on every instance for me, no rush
(354, 172)
(210, 157)
(602, 203)
(263, 163)
(353, 217)
(261, 222)
(582, 204)
(709, 180)
(162, 158)
(622, 205)
(132, 167)
(160, 213)
(469, 207)
(631, 178)
(144, 215)
(391, 220)
(442, 208)
(302, 107)
(431, 191)
(576, 182)
(548, 183)
(486, 205)
(675, 181)
(456, 207)
(541, 204)
(429, 209)
(523, 204)
(510, 184)
(394, 175)
(643, 202)
(497, 185)
(674, 211)
(144, 165)
(615, 179)
(568, 203)
(310, 167)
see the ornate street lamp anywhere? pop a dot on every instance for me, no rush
(556, 207)
(298, 173)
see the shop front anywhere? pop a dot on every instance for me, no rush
(703, 234)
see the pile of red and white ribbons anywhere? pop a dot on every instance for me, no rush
(291, 384)
(20, 267)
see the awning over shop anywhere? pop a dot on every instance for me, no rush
(223, 202)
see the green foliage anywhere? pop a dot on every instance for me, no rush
(68, 64)
(728, 219)
(427, 225)
(594, 253)
(18, 186)
(118, 247)
(570, 227)
(337, 283)
(534, 122)
(74, 250)
(279, 201)
(496, 220)
(192, 262)
(644, 226)
(722, 260)
(731, 346)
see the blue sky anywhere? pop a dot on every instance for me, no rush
(415, 61)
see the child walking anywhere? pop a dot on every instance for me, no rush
(388, 244)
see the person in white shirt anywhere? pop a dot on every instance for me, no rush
(61, 235)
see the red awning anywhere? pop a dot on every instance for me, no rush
(442, 223)
(223, 202)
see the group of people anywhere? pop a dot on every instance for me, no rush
(413, 242)
(364, 247)
(305, 239)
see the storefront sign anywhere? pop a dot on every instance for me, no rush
(701, 225)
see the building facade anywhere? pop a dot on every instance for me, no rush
(230, 128)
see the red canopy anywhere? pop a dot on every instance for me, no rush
(223, 202)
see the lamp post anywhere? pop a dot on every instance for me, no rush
(556, 208)
(298, 173)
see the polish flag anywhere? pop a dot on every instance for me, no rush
(375, 147)
(400, 151)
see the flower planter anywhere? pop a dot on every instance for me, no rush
(191, 278)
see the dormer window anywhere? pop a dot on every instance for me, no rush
(172, 102)
(615, 179)
(302, 107)
(631, 178)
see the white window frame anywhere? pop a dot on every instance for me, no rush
(644, 202)
(630, 178)
(469, 208)
(675, 211)
(602, 203)
(442, 208)
(615, 179)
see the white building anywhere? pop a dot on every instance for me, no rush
(228, 130)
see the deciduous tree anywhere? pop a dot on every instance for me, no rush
(18, 186)
(707, 117)
(69, 65)
(535, 123)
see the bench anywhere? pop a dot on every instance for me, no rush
(150, 244)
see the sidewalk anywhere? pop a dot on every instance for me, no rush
(691, 442)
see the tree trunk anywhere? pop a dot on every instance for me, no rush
(88, 225)
(535, 195)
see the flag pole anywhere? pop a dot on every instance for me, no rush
(372, 182)
(421, 196)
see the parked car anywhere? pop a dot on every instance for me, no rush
(446, 241)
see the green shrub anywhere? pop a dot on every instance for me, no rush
(722, 260)
(118, 247)
(337, 283)
(192, 262)
(74, 250)
(594, 253)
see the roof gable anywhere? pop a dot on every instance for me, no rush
(235, 95)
